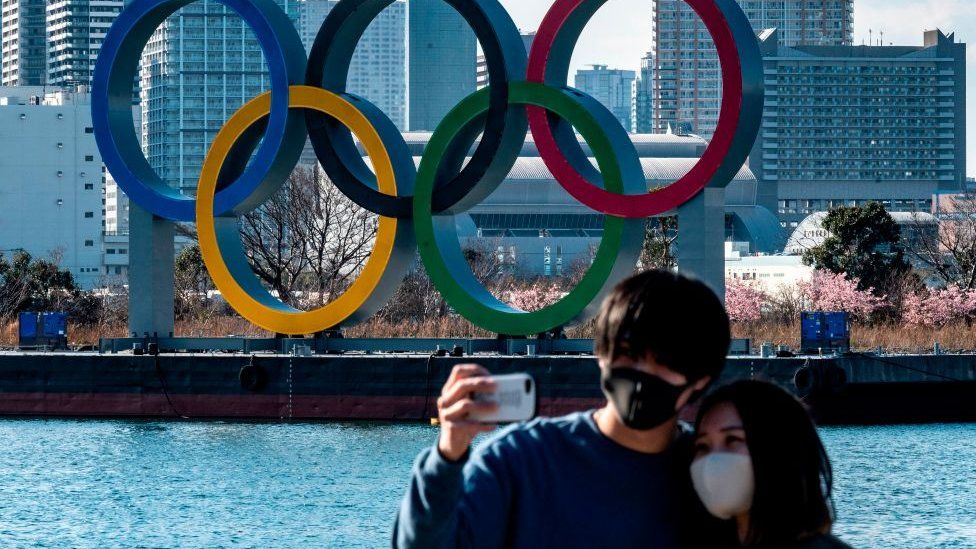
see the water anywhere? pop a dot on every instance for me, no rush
(164, 484)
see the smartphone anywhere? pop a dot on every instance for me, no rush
(516, 397)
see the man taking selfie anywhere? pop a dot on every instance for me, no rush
(614, 477)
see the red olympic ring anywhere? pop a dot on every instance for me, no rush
(667, 198)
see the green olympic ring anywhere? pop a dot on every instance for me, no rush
(437, 236)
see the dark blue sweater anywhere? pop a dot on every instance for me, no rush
(550, 483)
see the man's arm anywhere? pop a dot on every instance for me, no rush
(455, 505)
(452, 501)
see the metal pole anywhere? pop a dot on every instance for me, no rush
(700, 246)
(151, 264)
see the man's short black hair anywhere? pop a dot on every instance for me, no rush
(676, 320)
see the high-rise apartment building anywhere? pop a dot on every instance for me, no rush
(687, 79)
(75, 32)
(611, 87)
(642, 108)
(844, 125)
(51, 190)
(198, 68)
(23, 44)
(482, 80)
(379, 66)
(443, 62)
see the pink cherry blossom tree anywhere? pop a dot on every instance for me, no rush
(936, 308)
(534, 296)
(744, 301)
(829, 292)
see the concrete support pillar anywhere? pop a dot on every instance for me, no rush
(700, 246)
(151, 264)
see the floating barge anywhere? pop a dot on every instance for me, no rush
(404, 387)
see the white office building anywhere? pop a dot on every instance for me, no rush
(51, 189)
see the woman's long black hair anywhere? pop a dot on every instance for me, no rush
(792, 500)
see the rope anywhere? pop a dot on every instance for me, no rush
(899, 365)
(424, 415)
(162, 383)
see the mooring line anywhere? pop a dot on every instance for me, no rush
(893, 363)
(162, 384)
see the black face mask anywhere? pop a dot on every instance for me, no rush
(643, 401)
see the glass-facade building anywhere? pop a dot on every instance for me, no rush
(642, 107)
(24, 43)
(75, 31)
(482, 78)
(199, 67)
(611, 87)
(379, 66)
(849, 125)
(687, 79)
(443, 62)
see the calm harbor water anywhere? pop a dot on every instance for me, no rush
(165, 484)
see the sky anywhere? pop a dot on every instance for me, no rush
(620, 33)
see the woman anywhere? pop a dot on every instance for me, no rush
(759, 460)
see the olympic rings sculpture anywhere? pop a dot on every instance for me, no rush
(416, 206)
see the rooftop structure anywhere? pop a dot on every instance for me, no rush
(539, 229)
(810, 232)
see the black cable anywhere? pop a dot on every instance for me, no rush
(892, 363)
(430, 359)
(162, 383)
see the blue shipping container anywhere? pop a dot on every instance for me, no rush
(28, 325)
(824, 331)
(54, 324)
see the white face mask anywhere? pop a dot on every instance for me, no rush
(725, 483)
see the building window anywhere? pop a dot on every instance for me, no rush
(89, 215)
(89, 186)
(89, 129)
(89, 243)
(89, 158)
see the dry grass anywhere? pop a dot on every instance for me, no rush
(906, 339)
(900, 339)
(82, 335)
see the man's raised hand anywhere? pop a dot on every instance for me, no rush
(455, 405)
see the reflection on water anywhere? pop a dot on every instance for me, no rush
(97, 483)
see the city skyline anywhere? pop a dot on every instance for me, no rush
(618, 36)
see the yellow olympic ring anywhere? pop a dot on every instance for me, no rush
(265, 310)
